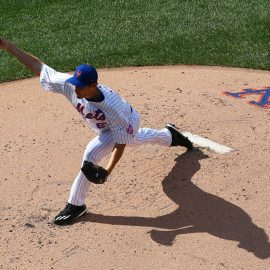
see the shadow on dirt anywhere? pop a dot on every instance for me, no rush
(198, 211)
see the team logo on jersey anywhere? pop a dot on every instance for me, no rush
(129, 129)
(262, 102)
(98, 115)
(78, 74)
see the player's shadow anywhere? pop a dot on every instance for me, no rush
(198, 211)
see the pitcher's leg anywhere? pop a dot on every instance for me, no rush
(153, 136)
(98, 148)
(168, 136)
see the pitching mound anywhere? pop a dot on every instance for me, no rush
(162, 208)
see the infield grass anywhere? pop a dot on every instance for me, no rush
(134, 33)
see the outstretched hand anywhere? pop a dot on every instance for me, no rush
(3, 43)
(28, 60)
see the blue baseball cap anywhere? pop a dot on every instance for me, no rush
(84, 75)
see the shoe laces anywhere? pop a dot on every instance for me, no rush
(66, 209)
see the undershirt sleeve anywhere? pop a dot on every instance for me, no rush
(52, 80)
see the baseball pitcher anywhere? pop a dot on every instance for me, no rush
(115, 121)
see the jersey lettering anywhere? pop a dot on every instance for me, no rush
(101, 125)
(97, 115)
(89, 116)
(80, 108)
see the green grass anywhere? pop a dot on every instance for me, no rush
(134, 33)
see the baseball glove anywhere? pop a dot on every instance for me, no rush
(94, 173)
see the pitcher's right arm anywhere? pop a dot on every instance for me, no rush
(28, 60)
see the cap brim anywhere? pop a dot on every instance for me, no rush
(76, 82)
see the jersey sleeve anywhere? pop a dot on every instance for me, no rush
(52, 80)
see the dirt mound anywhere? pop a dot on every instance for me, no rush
(162, 208)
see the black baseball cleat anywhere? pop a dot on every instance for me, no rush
(69, 214)
(178, 139)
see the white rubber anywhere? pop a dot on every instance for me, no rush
(203, 142)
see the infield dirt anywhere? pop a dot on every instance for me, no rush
(162, 208)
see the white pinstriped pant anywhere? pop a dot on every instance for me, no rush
(102, 146)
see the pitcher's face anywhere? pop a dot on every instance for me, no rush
(86, 92)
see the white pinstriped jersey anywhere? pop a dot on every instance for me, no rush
(113, 113)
